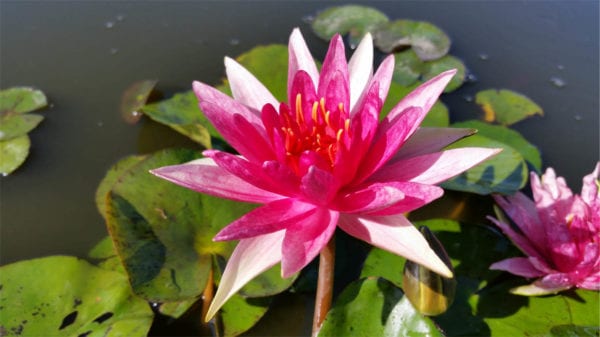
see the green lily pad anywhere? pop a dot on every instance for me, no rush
(408, 67)
(375, 307)
(65, 296)
(163, 232)
(505, 106)
(269, 65)
(570, 330)
(268, 283)
(177, 308)
(240, 314)
(20, 100)
(434, 68)
(181, 113)
(111, 177)
(505, 173)
(509, 137)
(352, 19)
(105, 256)
(18, 125)
(13, 153)
(427, 40)
(436, 117)
(134, 98)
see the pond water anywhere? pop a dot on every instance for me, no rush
(83, 55)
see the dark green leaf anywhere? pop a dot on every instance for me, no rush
(407, 68)
(17, 125)
(134, 98)
(13, 153)
(352, 19)
(434, 68)
(505, 106)
(428, 41)
(240, 314)
(20, 100)
(504, 173)
(509, 137)
(375, 307)
(177, 308)
(268, 283)
(65, 296)
(181, 113)
(106, 255)
(570, 330)
(112, 176)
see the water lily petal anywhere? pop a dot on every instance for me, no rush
(300, 58)
(428, 140)
(519, 266)
(535, 289)
(250, 258)
(396, 235)
(591, 282)
(272, 217)
(433, 168)
(319, 186)
(205, 176)
(306, 238)
(360, 68)
(519, 240)
(245, 88)
(415, 195)
(423, 97)
(372, 198)
(334, 76)
(383, 76)
(589, 191)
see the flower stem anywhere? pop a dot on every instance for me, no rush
(207, 295)
(324, 285)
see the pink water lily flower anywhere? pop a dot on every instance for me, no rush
(558, 231)
(322, 161)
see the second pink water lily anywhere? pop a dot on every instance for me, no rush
(322, 161)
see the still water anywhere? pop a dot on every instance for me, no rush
(83, 55)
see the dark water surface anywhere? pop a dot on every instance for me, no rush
(83, 55)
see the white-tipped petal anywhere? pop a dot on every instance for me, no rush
(360, 68)
(300, 58)
(246, 88)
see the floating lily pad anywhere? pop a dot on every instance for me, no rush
(65, 296)
(428, 41)
(13, 153)
(352, 19)
(134, 98)
(375, 307)
(505, 173)
(509, 137)
(434, 68)
(20, 100)
(18, 125)
(177, 308)
(436, 117)
(240, 314)
(407, 67)
(505, 106)
(181, 112)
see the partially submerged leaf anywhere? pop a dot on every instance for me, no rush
(434, 68)
(505, 173)
(407, 67)
(20, 100)
(375, 307)
(240, 314)
(509, 137)
(506, 106)
(352, 19)
(65, 296)
(13, 153)
(428, 41)
(18, 125)
(134, 98)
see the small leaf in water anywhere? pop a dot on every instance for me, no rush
(20, 100)
(437, 117)
(13, 153)
(434, 68)
(17, 125)
(134, 98)
(352, 19)
(407, 68)
(427, 40)
(505, 106)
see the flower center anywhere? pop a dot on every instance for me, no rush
(316, 131)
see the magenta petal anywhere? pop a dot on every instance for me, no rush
(519, 240)
(415, 196)
(518, 266)
(370, 199)
(205, 177)
(360, 68)
(589, 190)
(428, 140)
(272, 217)
(300, 59)
(250, 258)
(383, 76)
(396, 235)
(306, 238)
(523, 212)
(245, 88)
(433, 168)
(335, 73)
(319, 186)
(591, 282)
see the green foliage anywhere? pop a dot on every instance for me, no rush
(505, 106)
(65, 296)
(240, 314)
(134, 98)
(352, 19)
(15, 123)
(428, 41)
(375, 307)
(436, 117)
(269, 65)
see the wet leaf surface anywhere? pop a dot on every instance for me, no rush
(428, 41)
(19, 100)
(505, 173)
(509, 137)
(409, 69)
(434, 68)
(18, 125)
(13, 153)
(352, 19)
(240, 314)
(476, 310)
(506, 107)
(375, 307)
(134, 98)
(65, 296)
